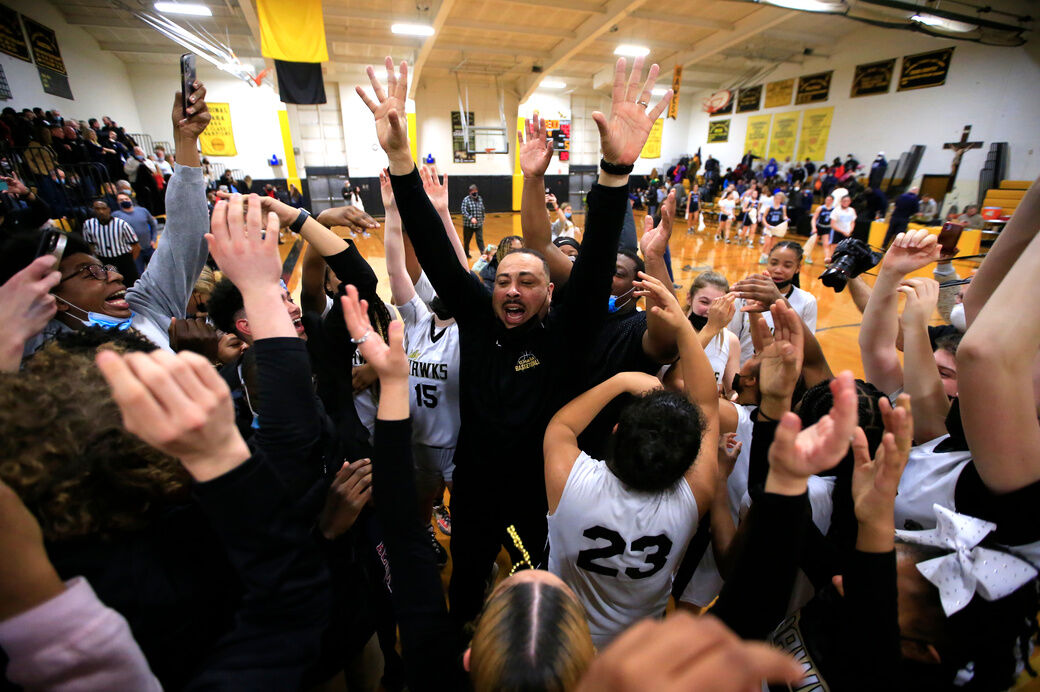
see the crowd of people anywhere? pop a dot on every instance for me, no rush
(204, 484)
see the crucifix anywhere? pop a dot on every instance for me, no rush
(958, 151)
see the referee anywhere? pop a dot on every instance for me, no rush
(114, 240)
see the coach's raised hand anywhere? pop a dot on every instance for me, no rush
(388, 109)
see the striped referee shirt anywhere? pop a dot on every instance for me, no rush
(112, 239)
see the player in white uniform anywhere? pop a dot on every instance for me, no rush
(784, 262)
(843, 222)
(618, 528)
(709, 310)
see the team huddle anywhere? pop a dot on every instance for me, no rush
(263, 523)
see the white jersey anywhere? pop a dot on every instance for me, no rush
(843, 219)
(433, 356)
(425, 289)
(802, 302)
(930, 478)
(365, 403)
(718, 354)
(617, 548)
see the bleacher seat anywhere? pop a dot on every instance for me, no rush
(1007, 196)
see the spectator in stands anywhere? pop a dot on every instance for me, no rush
(295, 196)
(164, 166)
(20, 208)
(971, 218)
(906, 205)
(144, 225)
(145, 178)
(927, 211)
(229, 182)
(119, 154)
(115, 242)
(247, 185)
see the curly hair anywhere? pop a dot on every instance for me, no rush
(63, 448)
(658, 437)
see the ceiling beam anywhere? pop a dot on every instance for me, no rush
(242, 51)
(338, 12)
(568, 6)
(440, 16)
(755, 23)
(587, 32)
(680, 20)
(472, 48)
(128, 21)
(799, 37)
(249, 13)
(456, 23)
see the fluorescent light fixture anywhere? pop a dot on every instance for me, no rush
(943, 24)
(810, 5)
(192, 8)
(631, 51)
(659, 91)
(412, 29)
(552, 84)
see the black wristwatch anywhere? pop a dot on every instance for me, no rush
(296, 225)
(615, 168)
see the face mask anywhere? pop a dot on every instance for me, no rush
(957, 318)
(698, 321)
(473, 194)
(612, 302)
(567, 214)
(126, 205)
(99, 319)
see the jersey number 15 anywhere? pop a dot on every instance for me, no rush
(426, 395)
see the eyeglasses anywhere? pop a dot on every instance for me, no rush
(96, 271)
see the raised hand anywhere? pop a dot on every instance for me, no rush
(388, 108)
(192, 123)
(350, 218)
(922, 297)
(662, 300)
(911, 251)
(721, 311)
(389, 360)
(179, 405)
(350, 491)
(386, 190)
(436, 189)
(655, 240)
(781, 357)
(729, 452)
(197, 335)
(876, 482)
(797, 454)
(286, 214)
(536, 151)
(623, 134)
(758, 291)
(244, 250)
(26, 306)
(14, 185)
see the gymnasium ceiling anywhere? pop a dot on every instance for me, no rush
(720, 43)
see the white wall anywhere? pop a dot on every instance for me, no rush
(995, 90)
(254, 113)
(98, 79)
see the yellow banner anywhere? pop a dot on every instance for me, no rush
(292, 31)
(673, 107)
(757, 134)
(816, 128)
(785, 131)
(652, 148)
(779, 93)
(218, 139)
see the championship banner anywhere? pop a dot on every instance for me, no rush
(652, 148)
(785, 132)
(673, 107)
(461, 151)
(218, 139)
(725, 108)
(816, 128)
(873, 78)
(718, 131)
(749, 98)
(813, 88)
(12, 40)
(779, 93)
(924, 70)
(44, 46)
(757, 134)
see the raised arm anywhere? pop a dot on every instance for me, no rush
(535, 155)
(659, 339)
(1018, 233)
(312, 281)
(781, 361)
(26, 306)
(437, 190)
(997, 401)
(921, 375)
(402, 289)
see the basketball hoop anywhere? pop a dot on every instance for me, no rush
(489, 150)
(717, 101)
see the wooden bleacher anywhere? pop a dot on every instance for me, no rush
(1007, 196)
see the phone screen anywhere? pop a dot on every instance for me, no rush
(187, 80)
(3, 186)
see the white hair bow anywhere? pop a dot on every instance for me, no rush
(968, 568)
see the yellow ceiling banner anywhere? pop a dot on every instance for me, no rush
(292, 31)
(757, 134)
(785, 132)
(816, 128)
(673, 107)
(652, 148)
(218, 139)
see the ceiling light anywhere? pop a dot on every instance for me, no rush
(659, 91)
(552, 84)
(631, 51)
(191, 8)
(943, 24)
(810, 5)
(412, 29)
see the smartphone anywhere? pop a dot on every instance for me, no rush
(949, 235)
(52, 243)
(187, 80)
(548, 205)
(3, 186)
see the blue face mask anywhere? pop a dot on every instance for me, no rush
(612, 302)
(99, 319)
(567, 214)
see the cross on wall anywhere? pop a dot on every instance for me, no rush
(959, 149)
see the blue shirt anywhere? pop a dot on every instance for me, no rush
(143, 223)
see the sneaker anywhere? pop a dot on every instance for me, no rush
(443, 519)
(717, 237)
(808, 260)
(751, 242)
(438, 549)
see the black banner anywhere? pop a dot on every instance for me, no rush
(718, 131)
(55, 83)
(749, 98)
(873, 78)
(813, 88)
(460, 152)
(924, 70)
(44, 46)
(12, 40)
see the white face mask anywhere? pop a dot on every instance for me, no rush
(957, 318)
